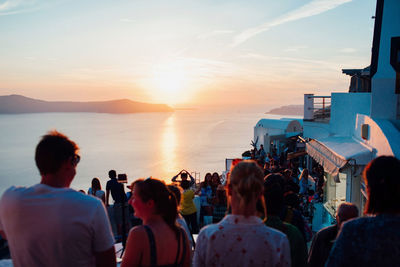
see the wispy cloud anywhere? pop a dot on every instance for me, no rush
(10, 7)
(127, 20)
(295, 48)
(312, 8)
(213, 34)
(300, 62)
(348, 50)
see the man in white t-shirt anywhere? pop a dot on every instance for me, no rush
(50, 224)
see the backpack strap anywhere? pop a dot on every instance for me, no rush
(152, 241)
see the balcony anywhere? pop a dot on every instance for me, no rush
(317, 108)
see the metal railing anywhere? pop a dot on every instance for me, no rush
(317, 108)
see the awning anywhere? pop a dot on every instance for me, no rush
(333, 153)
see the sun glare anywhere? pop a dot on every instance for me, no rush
(169, 81)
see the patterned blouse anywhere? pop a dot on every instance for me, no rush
(241, 241)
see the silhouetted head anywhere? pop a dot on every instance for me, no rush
(381, 177)
(273, 193)
(96, 184)
(345, 212)
(207, 180)
(112, 174)
(53, 150)
(184, 176)
(215, 179)
(291, 199)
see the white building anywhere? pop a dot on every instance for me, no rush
(344, 131)
(361, 125)
(273, 133)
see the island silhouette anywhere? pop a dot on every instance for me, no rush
(12, 104)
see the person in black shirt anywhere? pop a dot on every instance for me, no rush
(119, 197)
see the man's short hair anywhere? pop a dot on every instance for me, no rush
(52, 151)
(347, 211)
(112, 174)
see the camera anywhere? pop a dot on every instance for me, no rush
(122, 178)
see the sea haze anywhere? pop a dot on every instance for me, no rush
(140, 145)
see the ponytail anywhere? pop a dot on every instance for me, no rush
(170, 213)
(246, 179)
(164, 200)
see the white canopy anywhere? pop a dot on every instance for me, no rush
(333, 153)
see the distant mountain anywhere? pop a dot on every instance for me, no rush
(22, 104)
(288, 110)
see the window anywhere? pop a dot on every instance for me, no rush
(335, 193)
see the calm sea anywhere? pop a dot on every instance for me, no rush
(140, 145)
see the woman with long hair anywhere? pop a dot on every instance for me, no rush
(159, 241)
(206, 196)
(241, 238)
(96, 191)
(373, 240)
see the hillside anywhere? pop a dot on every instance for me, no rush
(288, 110)
(21, 104)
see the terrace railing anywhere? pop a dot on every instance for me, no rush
(317, 108)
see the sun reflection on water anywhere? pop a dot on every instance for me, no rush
(168, 146)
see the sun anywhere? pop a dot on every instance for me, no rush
(169, 82)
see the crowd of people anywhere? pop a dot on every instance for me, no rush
(255, 218)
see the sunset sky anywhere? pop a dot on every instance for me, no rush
(183, 53)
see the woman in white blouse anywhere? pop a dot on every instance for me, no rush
(241, 238)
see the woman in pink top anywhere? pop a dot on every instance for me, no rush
(241, 238)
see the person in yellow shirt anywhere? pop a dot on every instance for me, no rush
(188, 209)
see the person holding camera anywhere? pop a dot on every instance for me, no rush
(119, 197)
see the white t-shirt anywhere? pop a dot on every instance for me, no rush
(240, 241)
(99, 193)
(47, 226)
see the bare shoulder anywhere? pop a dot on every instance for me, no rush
(137, 233)
(137, 239)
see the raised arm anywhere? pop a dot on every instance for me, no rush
(192, 180)
(176, 176)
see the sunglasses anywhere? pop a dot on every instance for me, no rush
(75, 159)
